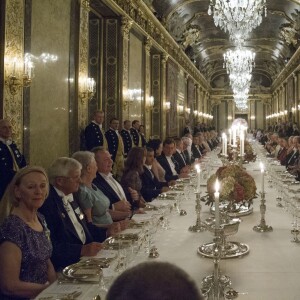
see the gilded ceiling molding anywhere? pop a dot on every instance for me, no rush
(83, 62)
(179, 5)
(14, 51)
(126, 25)
(148, 24)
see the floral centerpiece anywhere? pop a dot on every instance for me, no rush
(237, 186)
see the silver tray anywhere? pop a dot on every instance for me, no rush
(85, 270)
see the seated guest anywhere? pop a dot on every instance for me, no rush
(157, 169)
(93, 202)
(11, 159)
(292, 157)
(25, 249)
(178, 155)
(151, 187)
(197, 154)
(282, 153)
(187, 145)
(154, 281)
(120, 208)
(167, 161)
(131, 175)
(69, 232)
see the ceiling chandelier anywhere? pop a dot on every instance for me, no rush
(239, 61)
(237, 17)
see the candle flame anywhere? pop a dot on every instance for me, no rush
(217, 186)
(261, 167)
(197, 167)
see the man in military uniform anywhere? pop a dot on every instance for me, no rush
(11, 159)
(126, 136)
(137, 140)
(94, 133)
(115, 148)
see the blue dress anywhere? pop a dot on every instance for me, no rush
(35, 247)
(95, 199)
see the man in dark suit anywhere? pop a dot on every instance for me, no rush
(292, 157)
(137, 140)
(70, 235)
(126, 136)
(115, 147)
(11, 159)
(179, 155)
(151, 187)
(197, 154)
(120, 207)
(168, 162)
(94, 132)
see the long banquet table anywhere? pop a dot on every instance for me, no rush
(271, 270)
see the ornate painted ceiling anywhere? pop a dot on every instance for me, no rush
(274, 41)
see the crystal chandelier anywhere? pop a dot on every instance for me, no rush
(239, 61)
(237, 17)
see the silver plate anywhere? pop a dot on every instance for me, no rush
(231, 250)
(243, 210)
(83, 271)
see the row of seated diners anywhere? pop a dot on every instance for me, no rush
(50, 220)
(285, 149)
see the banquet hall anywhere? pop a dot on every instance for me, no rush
(168, 64)
(157, 61)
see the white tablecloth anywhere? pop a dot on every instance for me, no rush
(270, 271)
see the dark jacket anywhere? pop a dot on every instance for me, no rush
(165, 164)
(151, 187)
(65, 241)
(94, 136)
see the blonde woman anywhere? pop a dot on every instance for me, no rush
(25, 249)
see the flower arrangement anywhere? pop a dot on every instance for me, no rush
(236, 185)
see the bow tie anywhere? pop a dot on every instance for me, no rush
(67, 198)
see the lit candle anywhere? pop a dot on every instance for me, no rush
(217, 208)
(229, 130)
(223, 143)
(262, 177)
(198, 177)
(242, 141)
(234, 136)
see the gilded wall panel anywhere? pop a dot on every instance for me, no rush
(156, 93)
(83, 64)
(135, 106)
(172, 96)
(111, 70)
(13, 65)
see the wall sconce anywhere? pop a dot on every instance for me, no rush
(180, 108)
(285, 112)
(87, 87)
(252, 118)
(188, 110)
(200, 113)
(294, 109)
(195, 113)
(229, 118)
(168, 105)
(21, 73)
(150, 105)
(17, 78)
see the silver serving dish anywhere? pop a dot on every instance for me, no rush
(231, 226)
(83, 271)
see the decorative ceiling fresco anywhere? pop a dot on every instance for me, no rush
(274, 41)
